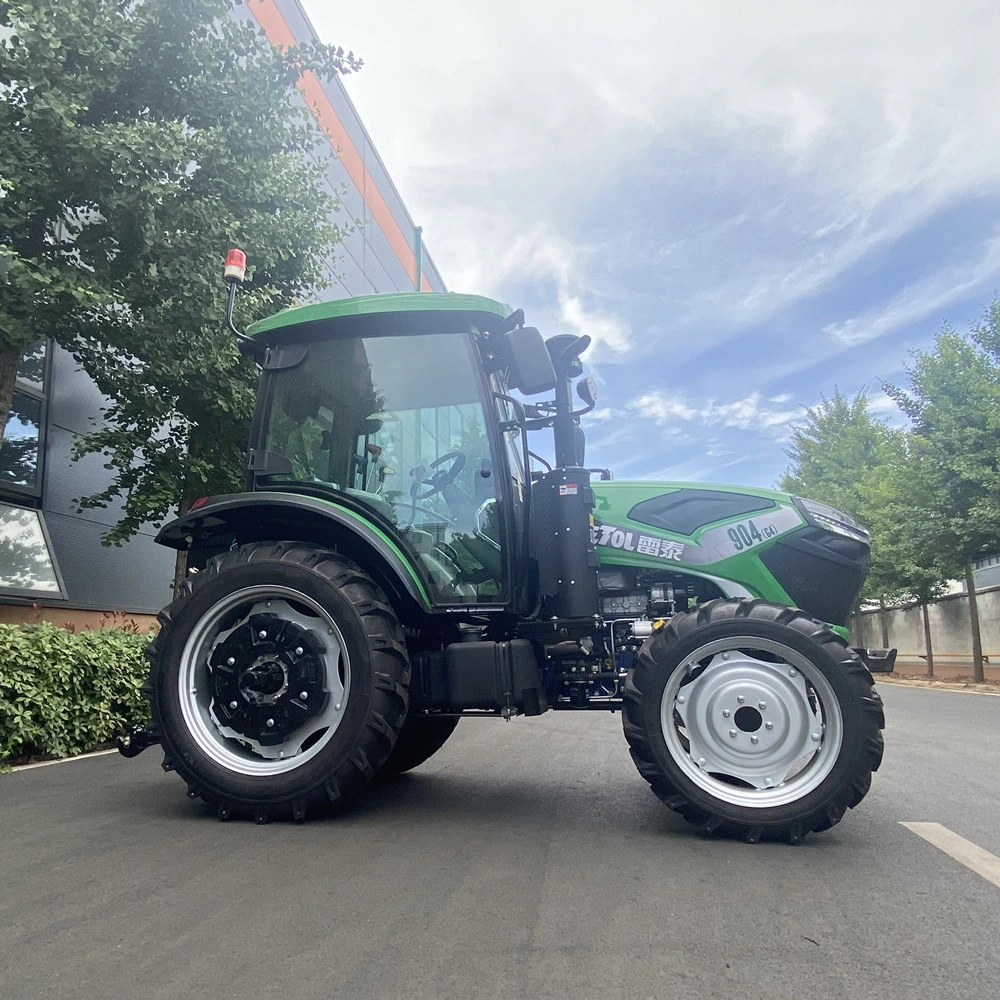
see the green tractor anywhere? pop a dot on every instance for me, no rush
(401, 559)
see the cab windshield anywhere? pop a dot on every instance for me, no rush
(398, 424)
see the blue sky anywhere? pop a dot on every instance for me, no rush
(744, 204)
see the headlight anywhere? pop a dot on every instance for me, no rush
(823, 516)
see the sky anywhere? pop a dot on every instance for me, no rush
(745, 204)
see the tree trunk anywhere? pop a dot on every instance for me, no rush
(10, 358)
(883, 623)
(927, 640)
(180, 571)
(977, 639)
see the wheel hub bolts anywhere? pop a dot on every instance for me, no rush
(725, 713)
(233, 705)
(732, 732)
(754, 740)
(303, 695)
(815, 737)
(231, 661)
(299, 650)
(262, 634)
(269, 723)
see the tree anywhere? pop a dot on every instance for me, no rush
(141, 139)
(900, 510)
(953, 401)
(840, 446)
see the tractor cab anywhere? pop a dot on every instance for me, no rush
(399, 407)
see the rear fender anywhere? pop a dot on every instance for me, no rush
(242, 518)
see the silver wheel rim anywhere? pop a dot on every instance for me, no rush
(236, 751)
(783, 711)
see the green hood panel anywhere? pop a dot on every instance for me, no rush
(725, 549)
(622, 492)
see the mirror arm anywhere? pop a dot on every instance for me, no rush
(539, 424)
(548, 468)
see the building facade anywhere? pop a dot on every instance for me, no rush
(51, 556)
(986, 572)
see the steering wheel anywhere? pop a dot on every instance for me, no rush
(441, 479)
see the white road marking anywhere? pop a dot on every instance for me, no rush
(969, 854)
(62, 760)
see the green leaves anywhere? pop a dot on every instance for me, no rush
(930, 495)
(141, 141)
(63, 692)
(836, 455)
(953, 401)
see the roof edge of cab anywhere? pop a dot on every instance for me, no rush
(374, 305)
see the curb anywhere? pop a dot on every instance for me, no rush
(60, 760)
(932, 685)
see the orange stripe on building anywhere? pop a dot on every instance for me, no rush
(278, 33)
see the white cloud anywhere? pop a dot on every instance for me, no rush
(884, 407)
(602, 414)
(692, 470)
(922, 299)
(605, 331)
(749, 413)
(663, 407)
(498, 121)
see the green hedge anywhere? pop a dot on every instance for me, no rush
(63, 692)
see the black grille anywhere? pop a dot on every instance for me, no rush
(822, 572)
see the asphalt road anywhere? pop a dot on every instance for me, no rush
(526, 860)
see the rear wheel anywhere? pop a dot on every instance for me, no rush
(420, 738)
(278, 680)
(753, 719)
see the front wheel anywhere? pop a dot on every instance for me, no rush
(753, 719)
(278, 680)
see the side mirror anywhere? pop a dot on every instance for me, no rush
(528, 359)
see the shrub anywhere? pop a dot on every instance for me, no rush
(63, 692)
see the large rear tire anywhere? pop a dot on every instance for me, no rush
(278, 681)
(753, 720)
(420, 738)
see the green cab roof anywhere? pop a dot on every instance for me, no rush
(372, 305)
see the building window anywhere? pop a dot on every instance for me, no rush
(27, 564)
(24, 436)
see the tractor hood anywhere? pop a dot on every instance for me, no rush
(750, 542)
